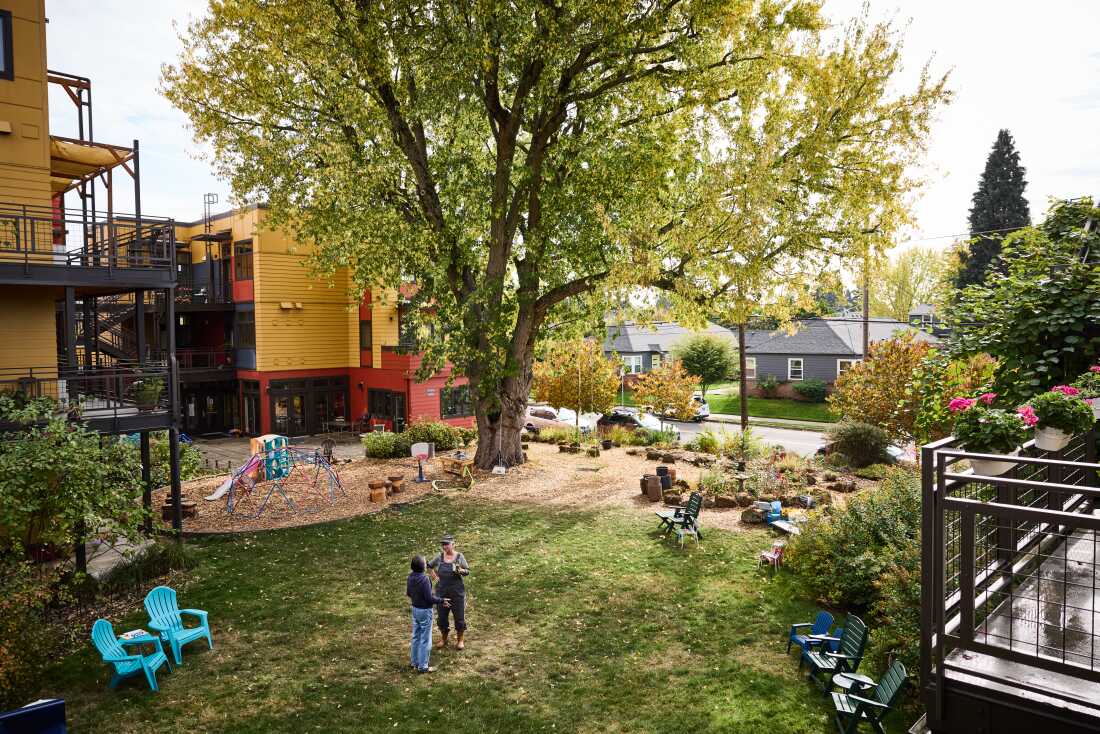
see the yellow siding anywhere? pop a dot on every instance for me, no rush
(25, 151)
(242, 223)
(302, 322)
(384, 329)
(28, 332)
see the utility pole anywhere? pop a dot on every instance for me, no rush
(743, 380)
(866, 305)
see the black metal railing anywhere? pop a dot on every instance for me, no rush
(204, 358)
(197, 290)
(1011, 563)
(72, 238)
(91, 393)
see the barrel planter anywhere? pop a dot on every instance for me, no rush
(653, 488)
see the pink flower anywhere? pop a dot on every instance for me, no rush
(1066, 390)
(1027, 413)
(1095, 368)
(957, 405)
(988, 397)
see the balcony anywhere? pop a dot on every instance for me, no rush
(63, 247)
(116, 399)
(1010, 611)
(204, 364)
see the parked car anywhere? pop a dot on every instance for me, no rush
(543, 416)
(702, 410)
(632, 419)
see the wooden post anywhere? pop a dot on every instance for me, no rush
(743, 381)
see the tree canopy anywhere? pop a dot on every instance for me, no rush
(707, 357)
(577, 375)
(909, 279)
(998, 208)
(1039, 318)
(525, 161)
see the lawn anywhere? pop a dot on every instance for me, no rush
(759, 407)
(580, 622)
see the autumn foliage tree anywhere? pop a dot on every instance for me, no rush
(878, 390)
(577, 375)
(516, 159)
(669, 389)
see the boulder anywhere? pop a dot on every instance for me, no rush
(668, 458)
(811, 480)
(633, 452)
(830, 476)
(725, 500)
(752, 516)
(744, 499)
(673, 497)
(652, 455)
(682, 484)
(846, 485)
(710, 501)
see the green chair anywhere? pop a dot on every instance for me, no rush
(870, 705)
(111, 648)
(824, 664)
(682, 517)
(165, 617)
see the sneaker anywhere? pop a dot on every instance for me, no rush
(429, 669)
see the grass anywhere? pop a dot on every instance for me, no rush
(579, 622)
(760, 407)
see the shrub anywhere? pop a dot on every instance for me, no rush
(192, 464)
(837, 460)
(716, 483)
(744, 446)
(937, 380)
(25, 592)
(445, 436)
(1088, 384)
(840, 555)
(706, 442)
(874, 471)
(1062, 409)
(380, 445)
(790, 463)
(768, 386)
(879, 390)
(862, 443)
(467, 436)
(812, 389)
(895, 612)
(709, 358)
(155, 561)
(669, 389)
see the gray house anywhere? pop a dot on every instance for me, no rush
(820, 348)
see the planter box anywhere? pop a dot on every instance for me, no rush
(1051, 439)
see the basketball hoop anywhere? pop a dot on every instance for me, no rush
(421, 451)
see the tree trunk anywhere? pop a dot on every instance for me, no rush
(743, 380)
(499, 431)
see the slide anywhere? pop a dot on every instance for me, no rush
(223, 489)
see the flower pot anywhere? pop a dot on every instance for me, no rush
(1094, 403)
(1051, 439)
(662, 471)
(606, 444)
(992, 467)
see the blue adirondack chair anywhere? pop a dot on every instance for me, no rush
(165, 617)
(126, 664)
(845, 659)
(808, 634)
(42, 717)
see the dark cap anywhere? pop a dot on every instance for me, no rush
(448, 538)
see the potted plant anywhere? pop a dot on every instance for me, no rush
(147, 392)
(1059, 414)
(1088, 385)
(984, 429)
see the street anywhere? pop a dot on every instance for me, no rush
(803, 443)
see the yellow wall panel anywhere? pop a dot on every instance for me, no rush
(28, 332)
(25, 151)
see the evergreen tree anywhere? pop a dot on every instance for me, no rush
(998, 207)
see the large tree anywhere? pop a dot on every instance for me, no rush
(577, 375)
(997, 209)
(908, 279)
(522, 159)
(708, 357)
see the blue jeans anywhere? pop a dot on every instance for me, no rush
(421, 645)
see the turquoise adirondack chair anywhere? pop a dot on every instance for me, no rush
(870, 705)
(165, 617)
(125, 664)
(824, 664)
(808, 634)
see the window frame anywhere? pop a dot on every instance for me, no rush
(750, 368)
(629, 363)
(7, 55)
(801, 369)
(655, 361)
(850, 360)
(366, 327)
(240, 272)
(243, 326)
(451, 406)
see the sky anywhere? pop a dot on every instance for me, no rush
(1031, 67)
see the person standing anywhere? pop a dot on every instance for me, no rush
(449, 567)
(419, 590)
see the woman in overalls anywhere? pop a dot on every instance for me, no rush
(449, 567)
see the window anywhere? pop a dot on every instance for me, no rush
(926, 319)
(632, 364)
(794, 369)
(454, 402)
(6, 69)
(655, 361)
(750, 368)
(366, 337)
(843, 365)
(246, 329)
(242, 260)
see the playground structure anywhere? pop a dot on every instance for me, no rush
(305, 480)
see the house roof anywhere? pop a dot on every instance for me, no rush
(922, 309)
(663, 336)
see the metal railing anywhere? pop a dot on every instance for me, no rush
(1011, 563)
(204, 358)
(91, 393)
(72, 238)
